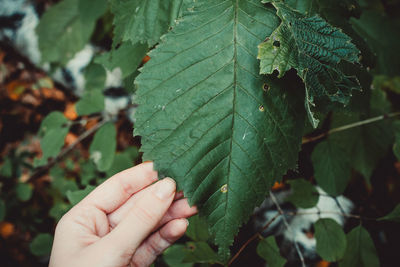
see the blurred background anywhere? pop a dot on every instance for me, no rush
(66, 97)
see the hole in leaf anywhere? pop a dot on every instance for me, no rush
(277, 43)
(265, 87)
(224, 188)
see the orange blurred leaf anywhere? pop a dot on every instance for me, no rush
(323, 264)
(7, 229)
(278, 186)
(70, 111)
(70, 138)
(16, 88)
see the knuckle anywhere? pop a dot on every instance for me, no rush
(144, 215)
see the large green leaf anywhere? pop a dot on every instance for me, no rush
(360, 250)
(314, 48)
(332, 167)
(331, 240)
(205, 119)
(66, 27)
(367, 144)
(381, 33)
(143, 21)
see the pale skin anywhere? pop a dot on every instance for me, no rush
(128, 220)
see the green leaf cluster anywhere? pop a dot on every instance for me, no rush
(66, 27)
(314, 48)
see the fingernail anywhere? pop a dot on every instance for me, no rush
(187, 222)
(165, 188)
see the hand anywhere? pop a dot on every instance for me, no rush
(126, 221)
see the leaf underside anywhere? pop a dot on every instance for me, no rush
(314, 48)
(205, 119)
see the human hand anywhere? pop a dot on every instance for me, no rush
(126, 221)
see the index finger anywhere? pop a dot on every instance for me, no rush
(116, 190)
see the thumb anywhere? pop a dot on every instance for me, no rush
(140, 222)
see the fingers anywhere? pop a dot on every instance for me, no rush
(119, 188)
(158, 242)
(179, 209)
(140, 221)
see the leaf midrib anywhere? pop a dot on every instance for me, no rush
(235, 25)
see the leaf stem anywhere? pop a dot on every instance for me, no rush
(273, 198)
(67, 149)
(350, 126)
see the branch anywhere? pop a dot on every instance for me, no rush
(252, 238)
(349, 126)
(66, 150)
(273, 198)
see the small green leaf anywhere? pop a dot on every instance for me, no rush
(66, 27)
(269, 251)
(75, 197)
(332, 168)
(53, 130)
(102, 149)
(41, 245)
(6, 168)
(121, 162)
(24, 191)
(95, 77)
(143, 21)
(314, 48)
(88, 172)
(91, 102)
(2, 210)
(51, 145)
(304, 194)
(200, 252)
(198, 229)
(64, 185)
(360, 250)
(174, 255)
(392, 216)
(127, 57)
(331, 240)
(396, 146)
(53, 120)
(59, 209)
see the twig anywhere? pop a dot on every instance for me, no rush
(66, 150)
(252, 238)
(273, 198)
(349, 126)
(325, 212)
